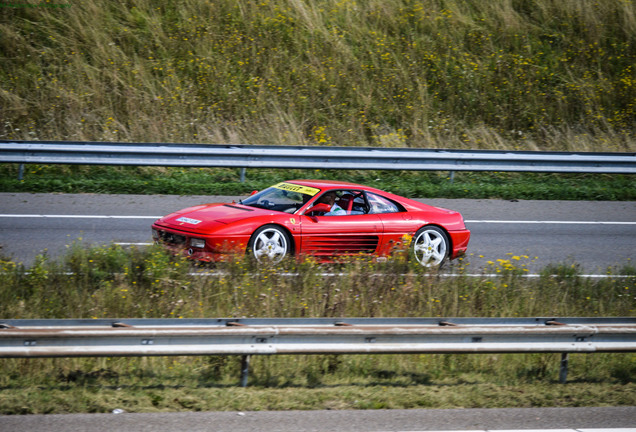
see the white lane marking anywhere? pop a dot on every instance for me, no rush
(222, 273)
(541, 430)
(77, 216)
(549, 222)
(492, 221)
(605, 430)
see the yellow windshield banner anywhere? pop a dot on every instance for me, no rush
(297, 188)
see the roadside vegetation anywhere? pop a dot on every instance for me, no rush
(526, 75)
(225, 181)
(503, 75)
(112, 282)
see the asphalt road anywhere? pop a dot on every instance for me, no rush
(596, 235)
(555, 419)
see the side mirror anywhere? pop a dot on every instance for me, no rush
(320, 207)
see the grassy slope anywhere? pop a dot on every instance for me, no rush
(506, 74)
(528, 75)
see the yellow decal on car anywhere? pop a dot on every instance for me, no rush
(297, 188)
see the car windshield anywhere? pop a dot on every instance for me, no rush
(284, 197)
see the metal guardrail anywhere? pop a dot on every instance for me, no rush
(309, 157)
(246, 337)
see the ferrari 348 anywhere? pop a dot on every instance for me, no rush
(319, 218)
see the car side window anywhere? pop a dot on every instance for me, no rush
(352, 202)
(379, 204)
(344, 202)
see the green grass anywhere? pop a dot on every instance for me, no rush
(103, 390)
(114, 282)
(524, 74)
(198, 181)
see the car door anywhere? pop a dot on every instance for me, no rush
(356, 232)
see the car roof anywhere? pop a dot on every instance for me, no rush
(329, 184)
(333, 184)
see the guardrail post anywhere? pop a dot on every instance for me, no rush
(242, 175)
(245, 369)
(563, 373)
(21, 172)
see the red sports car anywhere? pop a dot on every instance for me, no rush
(324, 219)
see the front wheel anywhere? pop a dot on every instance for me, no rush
(270, 243)
(430, 246)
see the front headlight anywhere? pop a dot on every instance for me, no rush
(197, 243)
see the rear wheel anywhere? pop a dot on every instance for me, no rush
(270, 243)
(430, 246)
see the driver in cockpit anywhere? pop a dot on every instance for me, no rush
(330, 199)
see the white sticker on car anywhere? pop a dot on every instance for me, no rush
(188, 220)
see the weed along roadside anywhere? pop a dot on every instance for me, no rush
(115, 282)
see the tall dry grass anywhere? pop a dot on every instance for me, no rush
(505, 74)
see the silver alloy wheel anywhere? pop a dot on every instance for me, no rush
(270, 244)
(430, 246)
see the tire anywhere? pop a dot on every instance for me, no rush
(430, 246)
(270, 243)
